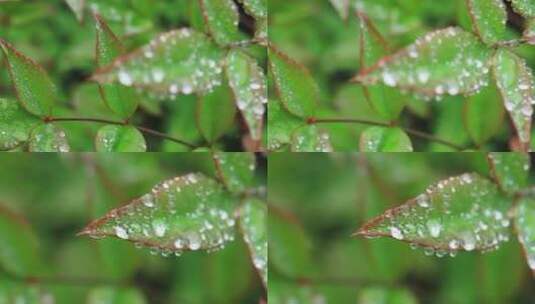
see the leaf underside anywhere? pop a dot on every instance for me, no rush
(465, 212)
(190, 212)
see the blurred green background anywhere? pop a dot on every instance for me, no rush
(318, 200)
(312, 32)
(48, 32)
(45, 199)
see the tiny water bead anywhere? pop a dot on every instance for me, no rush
(465, 212)
(510, 170)
(525, 225)
(189, 212)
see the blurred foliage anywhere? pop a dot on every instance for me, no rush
(315, 35)
(49, 33)
(46, 199)
(318, 200)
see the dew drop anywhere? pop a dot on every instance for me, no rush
(121, 232)
(396, 233)
(125, 78)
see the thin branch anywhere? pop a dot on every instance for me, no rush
(119, 123)
(382, 124)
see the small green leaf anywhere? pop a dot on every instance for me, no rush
(295, 87)
(235, 170)
(310, 138)
(388, 102)
(77, 6)
(248, 83)
(381, 139)
(48, 138)
(465, 212)
(253, 225)
(510, 170)
(120, 99)
(448, 61)
(128, 22)
(281, 125)
(525, 227)
(483, 114)
(32, 85)
(222, 19)
(524, 7)
(489, 18)
(177, 62)
(113, 138)
(215, 113)
(190, 212)
(18, 245)
(15, 124)
(111, 295)
(515, 82)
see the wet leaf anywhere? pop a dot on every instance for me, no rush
(381, 139)
(281, 125)
(18, 245)
(48, 138)
(178, 62)
(129, 21)
(187, 213)
(111, 295)
(215, 113)
(33, 87)
(465, 212)
(483, 114)
(253, 225)
(388, 102)
(235, 170)
(515, 82)
(222, 19)
(113, 138)
(248, 83)
(259, 10)
(489, 18)
(120, 99)
(295, 86)
(510, 170)
(448, 61)
(525, 227)
(15, 124)
(310, 138)
(524, 7)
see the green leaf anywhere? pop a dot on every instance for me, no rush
(129, 21)
(120, 99)
(448, 61)
(256, 8)
(17, 292)
(222, 19)
(525, 227)
(77, 6)
(281, 125)
(382, 295)
(524, 7)
(48, 138)
(289, 246)
(177, 62)
(253, 225)
(465, 212)
(113, 138)
(489, 18)
(381, 139)
(15, 124)
(182, 124)
(18, 245)
(215, 113)
(190, 212)
(248, 83)
(310, 138)
(510, 170)
(235, 170)
(111, 295)
(515, 82)
(295, 86)
(483, 114)
(388, 102)
(33, 87)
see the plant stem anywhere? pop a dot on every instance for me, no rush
(382, 124)
(119, 123)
